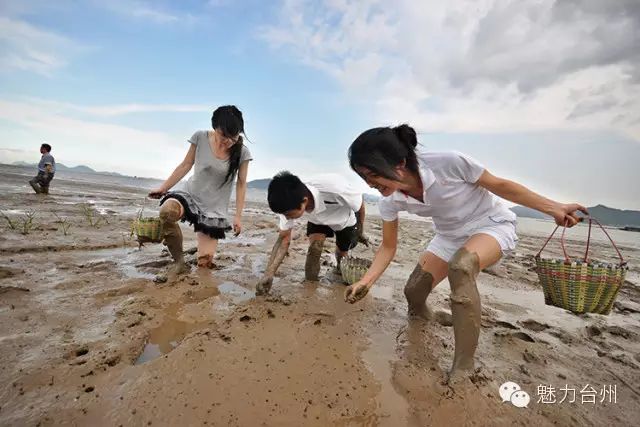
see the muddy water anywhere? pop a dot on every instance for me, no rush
(177, 323)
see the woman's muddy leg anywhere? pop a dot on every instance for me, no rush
(171, 212)
(465, 307)
(479, 252)
(312, 264)
(425, 276)
(206, 250)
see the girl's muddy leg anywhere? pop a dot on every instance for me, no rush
(465, 306)
(206, 250)
(417, 290)
(426, 275)
(312, 264)
(170, 213)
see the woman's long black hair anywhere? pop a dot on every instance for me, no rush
(228, 119)
(380, 150)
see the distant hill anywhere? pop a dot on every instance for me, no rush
(260, 184)
(604, 214)
(62, 167)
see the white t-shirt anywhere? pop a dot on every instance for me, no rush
(451, 196)
(335, 203)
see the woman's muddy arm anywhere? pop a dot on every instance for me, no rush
(385, 254)
(241, 192)
(518, 193)
(179, 172)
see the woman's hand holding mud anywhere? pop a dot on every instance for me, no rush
(356, 292)
(157, 193)
(566, 214)
(237, 226)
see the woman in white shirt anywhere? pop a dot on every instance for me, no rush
(473, 227)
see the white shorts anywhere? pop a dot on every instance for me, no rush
(503, 231)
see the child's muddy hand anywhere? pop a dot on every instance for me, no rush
(157, 193)
(264, 285)
(355, 292)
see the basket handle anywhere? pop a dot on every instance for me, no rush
(586, 254)
(144, 204)
(547, 241)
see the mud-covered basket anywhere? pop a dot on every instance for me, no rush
(146, 229)
(352, 269)
(580, 285)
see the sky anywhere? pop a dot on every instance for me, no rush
(543, 92)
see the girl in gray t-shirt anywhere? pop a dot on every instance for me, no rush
(218, 156)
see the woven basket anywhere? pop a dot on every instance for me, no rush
(352, 269)
(148, 229)
(580, 285)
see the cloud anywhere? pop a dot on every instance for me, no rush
(117, 109)
(26, 47)
(147, 11)
(476, 66)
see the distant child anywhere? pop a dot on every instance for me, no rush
(332, 208)
(46, 170)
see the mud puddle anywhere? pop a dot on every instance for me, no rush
(378, 359)
(166, 337)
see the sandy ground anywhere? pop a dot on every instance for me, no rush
(89, 338)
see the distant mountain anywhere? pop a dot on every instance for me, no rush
(260, 184)
(604, 214)
(62, 167)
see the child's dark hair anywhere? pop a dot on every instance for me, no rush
(380, 150)
(286, 192)
(230, 122)
(46, 147)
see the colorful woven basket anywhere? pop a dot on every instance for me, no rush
(352, 268)
(580, 285)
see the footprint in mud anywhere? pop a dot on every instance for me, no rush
(534, 325)
(506, 325)
(518, 335)
(619, 331)
(154, 264)
(6, 272)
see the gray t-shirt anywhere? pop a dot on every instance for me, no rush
(205, 185)
(47, 159)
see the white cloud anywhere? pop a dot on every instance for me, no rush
(26, 47)
(147, 10)
(476, 66)
(118, 109)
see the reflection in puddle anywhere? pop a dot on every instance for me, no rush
(172, 331)
(378, 358)
(167, 336)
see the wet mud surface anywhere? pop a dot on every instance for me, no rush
(89, 336)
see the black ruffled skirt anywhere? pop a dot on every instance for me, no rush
(212, 227)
